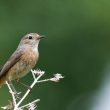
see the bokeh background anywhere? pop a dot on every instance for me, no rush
(77, 44)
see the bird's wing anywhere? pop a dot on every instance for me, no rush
(12, 61)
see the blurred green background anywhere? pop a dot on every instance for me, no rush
(77, 44)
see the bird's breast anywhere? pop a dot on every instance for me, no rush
(24, 65)
(30, 57)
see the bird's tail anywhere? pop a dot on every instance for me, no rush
(2, 80)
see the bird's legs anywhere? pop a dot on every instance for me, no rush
(28, 87)
(13, 89)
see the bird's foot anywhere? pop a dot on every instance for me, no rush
(17, 95)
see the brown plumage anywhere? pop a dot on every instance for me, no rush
(22, 60)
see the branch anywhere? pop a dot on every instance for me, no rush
(15, 104)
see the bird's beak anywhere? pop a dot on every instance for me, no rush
(40, 37)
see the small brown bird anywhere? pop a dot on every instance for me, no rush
(22, 60)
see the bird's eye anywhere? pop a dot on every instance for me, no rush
(30, 37)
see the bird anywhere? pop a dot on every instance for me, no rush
(23, 59)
